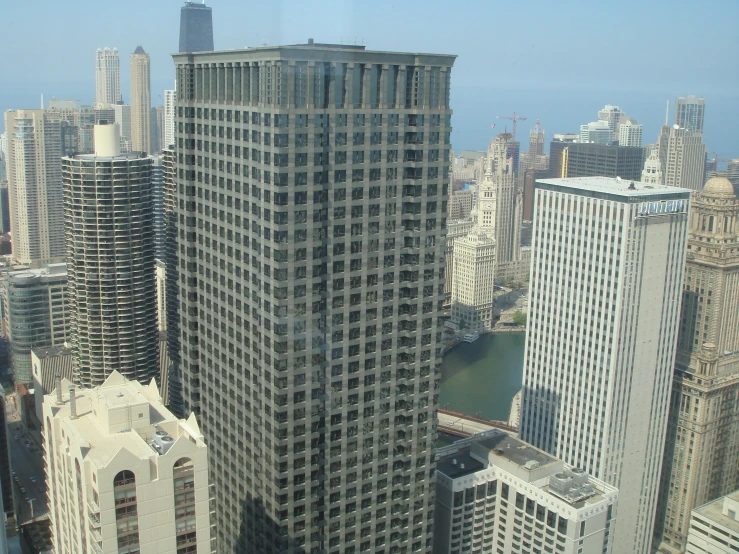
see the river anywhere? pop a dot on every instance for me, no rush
(481, 378)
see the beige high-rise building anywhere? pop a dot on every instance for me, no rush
(123, 474)
(683, 157)
(35, 186)
(652, 172)
(107, 77)
(140, 101)
(702, 452)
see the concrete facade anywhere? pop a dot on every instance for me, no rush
(312, 189)
(123, 474)
(690, 113)
(608, 259)
(604, 160)
(107, 77)
(682, 155)
(47, 362)
(714, 527)
(498, 494)
(702, 452)
(140, 101)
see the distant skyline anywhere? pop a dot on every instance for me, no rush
(559, 62)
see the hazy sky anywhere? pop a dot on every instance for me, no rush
(556, 60)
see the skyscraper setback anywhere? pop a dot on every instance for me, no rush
(107, 77)
(311, 265)
(108, 218)
(140, 101)
(606, 277)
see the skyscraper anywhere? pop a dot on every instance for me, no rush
(196, 27)
(598, 132)
(603, 160)
(652, 172)
(630, 134)
(123, 120)
(311, 287)
(682, 155)
(170, 97)
(701, 459)
(689, 113)
(35, 186)
(140, 101)
(606, 277)
(108, 220)
(107, 77)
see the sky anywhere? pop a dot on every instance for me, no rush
(558, 61)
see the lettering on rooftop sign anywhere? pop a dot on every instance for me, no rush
(663, 207)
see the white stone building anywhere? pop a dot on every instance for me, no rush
(497, 494)
(608, 258)
(652, 172)
(714, 527)
(107, 77)
(124, 475)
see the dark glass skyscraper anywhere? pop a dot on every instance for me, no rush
(196, 28)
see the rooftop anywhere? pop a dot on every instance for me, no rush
(516, 451)
(718, 511)
(459, 464)
(612, 186)
(43, 352)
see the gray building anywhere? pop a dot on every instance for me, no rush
(606, 160)
(47, 362)
(35, 314)
(690, 112)
(196, 27)
(312, 184)
(108, 223)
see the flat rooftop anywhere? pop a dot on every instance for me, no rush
(514, 450)
(627, 190)
(713, 511)
(459, 464)
(43, 352)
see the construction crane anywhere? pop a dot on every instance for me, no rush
(513, 118)
(716, 160)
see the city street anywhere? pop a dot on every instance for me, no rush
(26, 460)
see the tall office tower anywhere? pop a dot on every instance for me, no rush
(557, 147)
(503, 486)
(603, 160)
(140, 101)
(123, 473)
(683, 157)
(613, 115)
(598, 132)
(460, 204)
(606, 278)
(509, 205)
(157, 129)
(630, 134)
(123, 120)
(714, 527)
(535, 157)
(170, 97)
(474, 266)
(110, 262)
(171, 278)
(702, 452)
(107, 77)
(4, 209)
(456, 229)
(157, 191)
(35, 313)
(317, 332)
(196, 27)
(35, 186)
(652, 172)
(689, 113)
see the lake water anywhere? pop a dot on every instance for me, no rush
(481, 378)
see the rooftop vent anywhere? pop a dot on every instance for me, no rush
(162, 441)
(532, 464)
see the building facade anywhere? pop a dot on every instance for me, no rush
(123, 474)
(606, 160)
(140, 101)
(652, 172)
(107, 77)
(170, 97)
(702, 452)
(196, 27)
(108, 220)
(630, 134)
(47, 362)
(35, 186)
(35, 314)
(608, 258)
(498, 494)
(690, 112)
(682, 155)
(318, 257)
(714, 527)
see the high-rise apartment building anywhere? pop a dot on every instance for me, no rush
(35, 186)
(603, 160)
(108, 221)
(35, 314)
(157, 129)
(714, 527)
(107, 77)
(497, 494)
(608, 257)
(597, 132)
(123, 120)
(123, 473)
(140, 101)
(311, 261)
(196, 27)
(170, 97)
(690, 112)
(630, 134)
(701, 459)
(4, 208)
(683, 157)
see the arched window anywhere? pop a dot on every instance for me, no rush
(184, 500)
(124, 477)
(126, 511)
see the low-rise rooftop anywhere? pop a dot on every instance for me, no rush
(613, 186)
